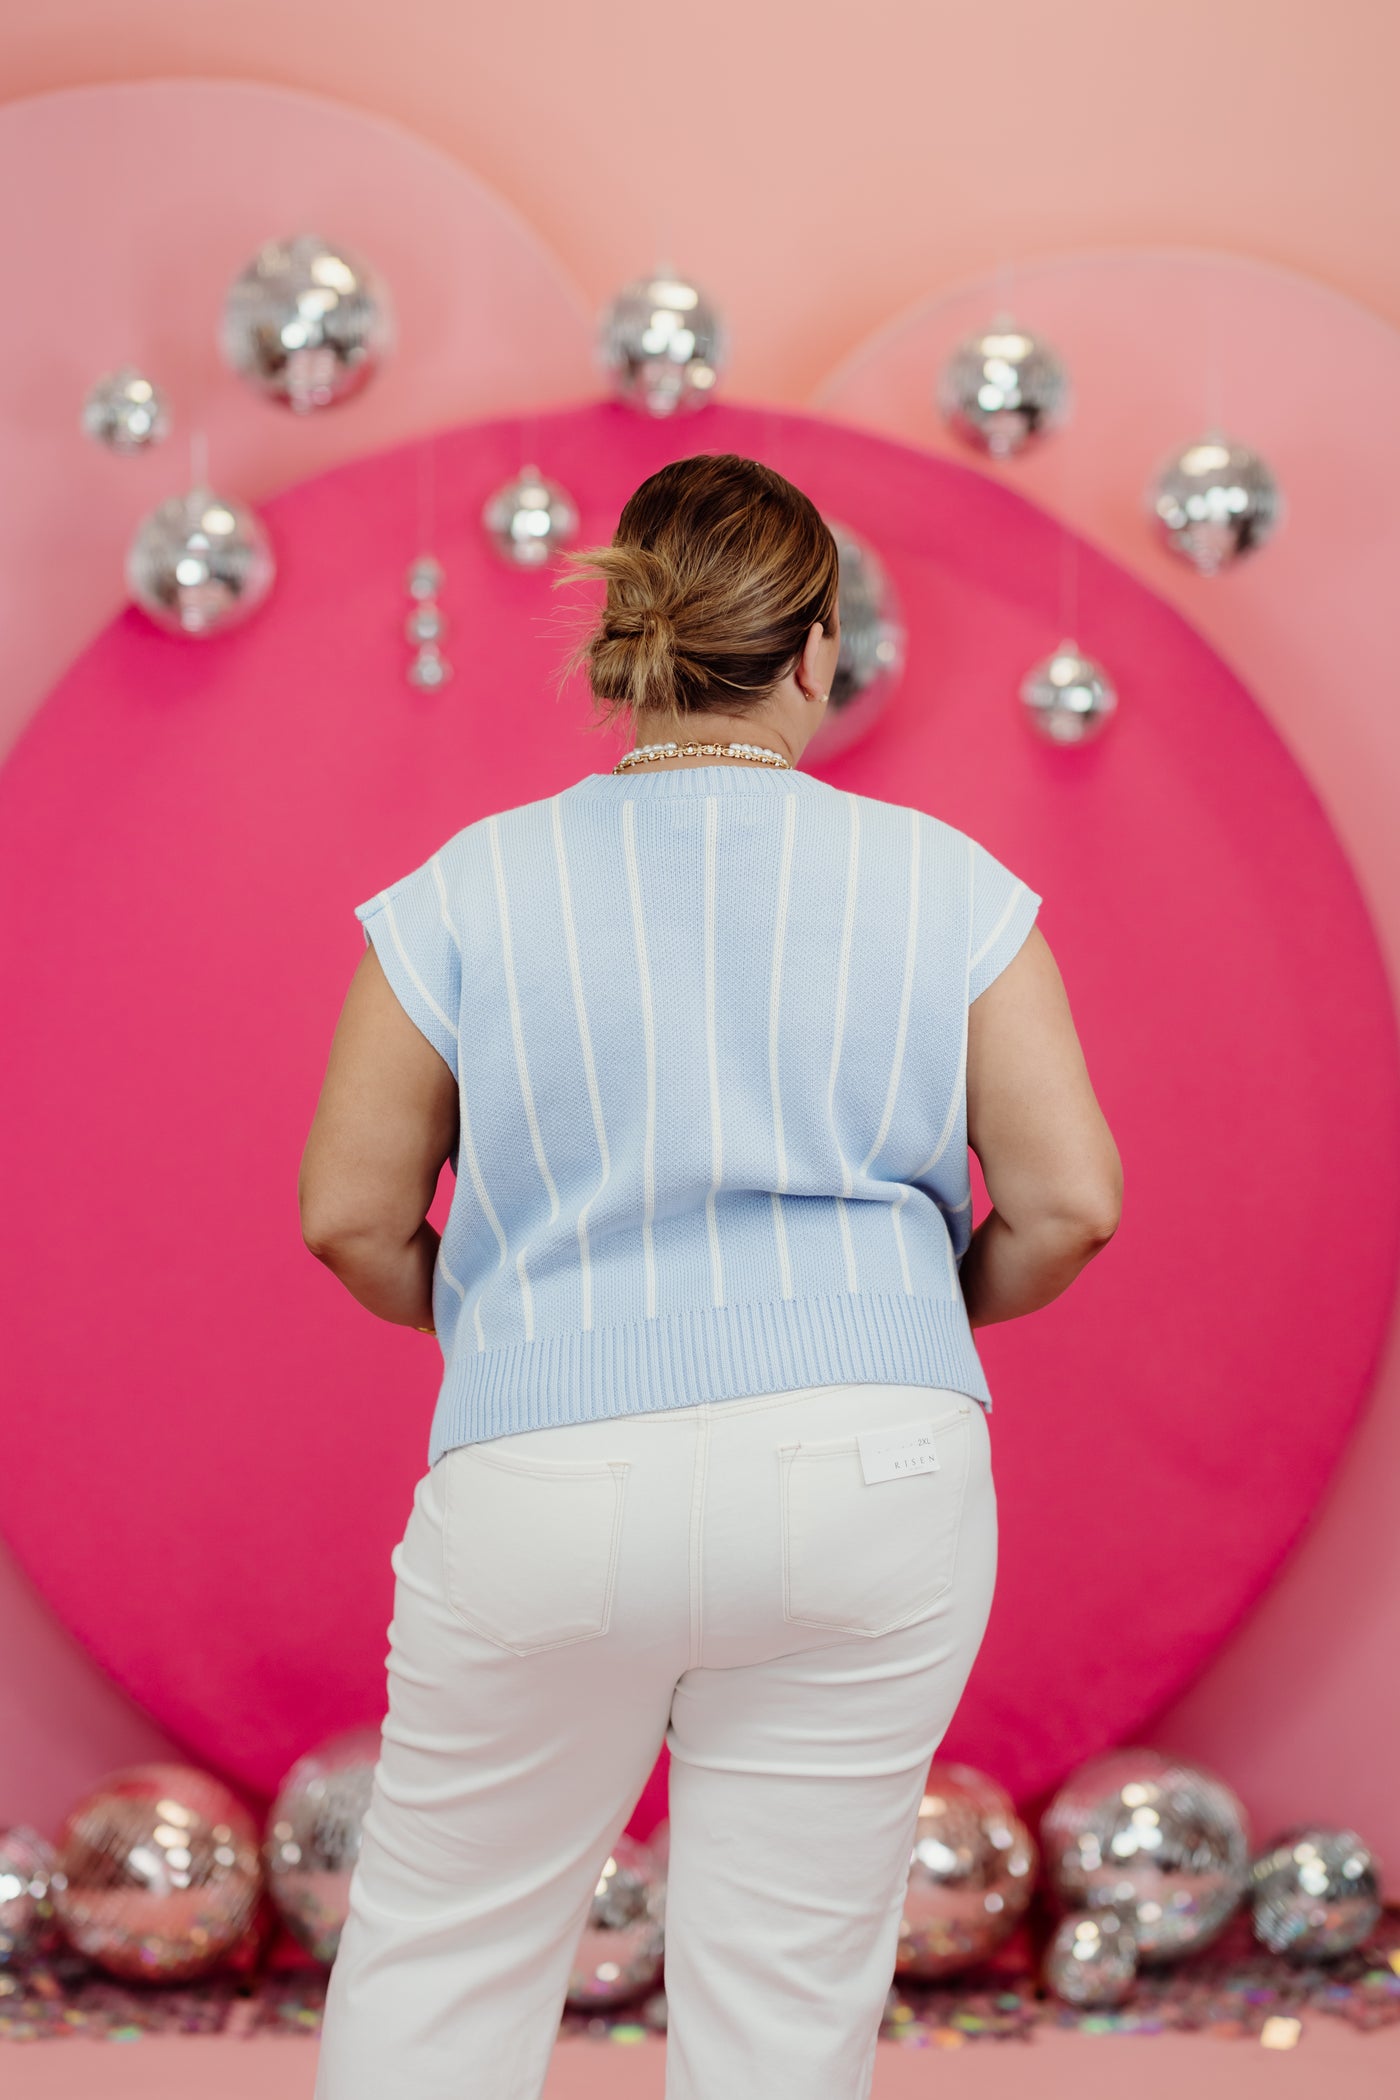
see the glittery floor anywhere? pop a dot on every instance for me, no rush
(1233, 2021)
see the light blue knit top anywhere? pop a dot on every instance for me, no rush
(709, 1033)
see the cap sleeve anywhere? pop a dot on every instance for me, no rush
(1003, 913)
(409, 925)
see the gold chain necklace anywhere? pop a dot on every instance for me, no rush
(648, 754)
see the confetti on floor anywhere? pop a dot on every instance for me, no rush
(1234, 1988)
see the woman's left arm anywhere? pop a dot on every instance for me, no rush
(386, 1121)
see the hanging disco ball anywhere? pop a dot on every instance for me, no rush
(1002, 390)
(871, 656)
(27, 1923)
(971, 1876)
(307, 323)
(126, 412)
(1068, 697)
(426, 624)
(158, 1876)
(620, 1953)
(529, 518)
(1316, 1893)
(662, 345)
(1212, 502)
(199, 563)
(1161, 1843)
(1091, 1959)
(313, 1837)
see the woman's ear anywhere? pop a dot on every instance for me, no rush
(810, 662)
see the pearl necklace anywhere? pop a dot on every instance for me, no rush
(647, 754)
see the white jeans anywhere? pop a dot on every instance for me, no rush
(722, 1577)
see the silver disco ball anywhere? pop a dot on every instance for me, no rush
(1159, 1842)
(1213, 501)
(871, 656)
(662, 345)
(529, 518)
(199, 563)
(1091, 1959)
(971, 1876)
(1068, 697)
(126, 412)
(1002, 389)
(307, 323)
(620, 1953)
(27, 1924)
(313, 1837)
(1316, 1893)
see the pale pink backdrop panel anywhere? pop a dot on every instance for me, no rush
(822, 164)
(140, 204)
(1156, 341)
(232, 1442)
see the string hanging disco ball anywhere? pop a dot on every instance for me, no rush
(529, 518)
(158, 1875)
(1068, 698)
(971, 1876)
(199, 563)
(1161, 1843)
(307, 323)
(126, 412)
(1212, 502)
(662, 345)
(313, 1837)
(1316, 1893)
(1002, 390)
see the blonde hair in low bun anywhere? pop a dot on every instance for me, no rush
(714, 576)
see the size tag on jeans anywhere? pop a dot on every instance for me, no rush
(889, 1454)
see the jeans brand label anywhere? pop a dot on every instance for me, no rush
(891, 1454)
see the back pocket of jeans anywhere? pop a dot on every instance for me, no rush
(866, 1557)
(530, 1545)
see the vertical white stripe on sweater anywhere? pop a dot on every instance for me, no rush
(639, 937)
(901, 1034)
(429, 1001)
(468, 1147)
(585, 1037)
(712, 1051)
(843, 976)
(517, 1032)
(959, 1093)
(775, 992)
(466, 1142)
(998, 930)
(895, 1208)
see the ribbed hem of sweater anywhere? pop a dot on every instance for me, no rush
(725, 1353)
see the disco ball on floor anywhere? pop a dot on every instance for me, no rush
(971, 1876)
(313, 1837)
(158, 1876)
(620, 1954)
(1160, 1842)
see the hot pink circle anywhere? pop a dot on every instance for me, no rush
(214, 1447)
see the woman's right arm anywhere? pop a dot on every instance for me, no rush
(1047, 1156)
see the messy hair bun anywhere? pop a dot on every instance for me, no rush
(715, 574)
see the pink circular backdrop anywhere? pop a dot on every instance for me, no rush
(217, 1446)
